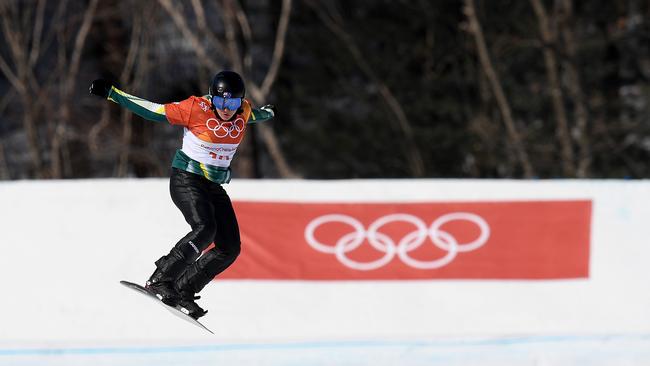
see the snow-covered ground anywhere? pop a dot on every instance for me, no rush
(66, 244)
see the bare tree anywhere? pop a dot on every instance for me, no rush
(21, 76)
(549, 47)
(334, 22)
(122, 145)
(4, 166)
(97, 128)
(126, 76)
(68, 85)
(574, 87)
(25, 32)
(475, 28)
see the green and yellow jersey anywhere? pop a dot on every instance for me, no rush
(209, 143)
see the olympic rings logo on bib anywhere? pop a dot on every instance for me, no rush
(225, 128)
(400, 247)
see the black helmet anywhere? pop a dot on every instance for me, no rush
(227, 84)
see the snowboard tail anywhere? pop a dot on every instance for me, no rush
(176, 310)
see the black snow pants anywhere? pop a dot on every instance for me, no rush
(208, 210)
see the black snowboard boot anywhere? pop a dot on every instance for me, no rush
(161, 282)
(190, 307)
(164, 290)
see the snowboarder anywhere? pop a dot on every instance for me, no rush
(214, 125)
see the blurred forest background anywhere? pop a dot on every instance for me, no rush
(364, 89)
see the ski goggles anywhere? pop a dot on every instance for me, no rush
(222, 103)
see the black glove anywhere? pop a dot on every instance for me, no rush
(269, 108)
(100, 87)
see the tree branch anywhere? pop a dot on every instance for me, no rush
(416, 164)
(229, 17)
(557, 98)
(37, 33)
(203, 26)
(497, 89)
(575, 90)
(247, 34)
(278, 49)
(20, 80)
(181, 24)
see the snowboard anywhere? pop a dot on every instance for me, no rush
(176, 310)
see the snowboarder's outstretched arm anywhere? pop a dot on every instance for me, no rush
(154, 111)
(142, 107)
(263, 113)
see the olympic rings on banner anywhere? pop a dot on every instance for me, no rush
(401, 247)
